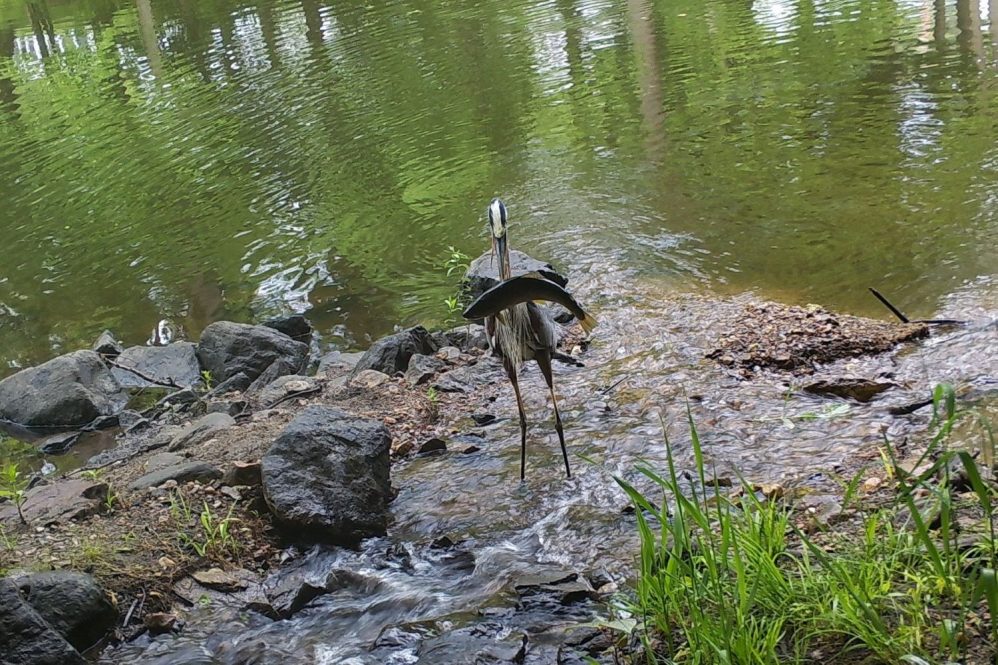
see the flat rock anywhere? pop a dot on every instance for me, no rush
(326, 477)
(474, 645)
(462, 380)
(201, 429)
(26, 638)
(182, 473)
(73, 603)
(163, 460)
(422, 368)
(433, 445)
(337, 363)
(392, 353)
(228, 348)
(288, 385)
(220, 580)
(861, 390)
(290, 591)
(483, 272)
(67, 392)
(60, 501)
(369, 378)
(175, 363)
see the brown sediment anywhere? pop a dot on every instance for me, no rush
(797, 339)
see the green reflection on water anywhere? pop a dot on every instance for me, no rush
(203, 160)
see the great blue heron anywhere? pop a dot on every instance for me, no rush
(522, 332)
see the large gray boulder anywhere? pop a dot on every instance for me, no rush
(25, 637)
(175, 363)
(228, 348)
(73, 603)
(326, 478)
(392, 353)
(483, 273)
(67, 392)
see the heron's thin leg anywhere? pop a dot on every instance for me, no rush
(544, 361)
(511, 371)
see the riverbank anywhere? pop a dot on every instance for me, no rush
(463, 537)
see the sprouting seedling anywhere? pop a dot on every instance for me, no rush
(14, 487)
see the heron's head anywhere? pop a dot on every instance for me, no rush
(497, 225)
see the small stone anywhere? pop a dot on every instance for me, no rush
(470, 449)
(422, 368)
(871, 484)
(483, 418)
(160, 622)
(449, 353)
(218, 579)
(367, 379)
(243, 473)
(232, 493)
(107, 345)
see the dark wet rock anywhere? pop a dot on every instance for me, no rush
(433, 445)
(775, 336)
(58, 443)
(567, 587)
(26, 638)
(237, 383)
(173, 364)
(470, 449)
(466, 338)
(442, 543)
(584, 641)
(295, 326)
(73, 603)
(58, 502)
(483, 418)
(107, 345)
(368, 378)
(422, 368)
(478, 644)
(228, 348)
(861, 390)
(392, 353)
(236, 588)
(289, 591)
(327, 476)
(337, 363)
(68, 392)
(201, 430)
(243, 473)
(182, 473)
(483, 273)
(286, 386)
(130, 421)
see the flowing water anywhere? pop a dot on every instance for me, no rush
(196, 160)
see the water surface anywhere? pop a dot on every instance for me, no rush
(230, 159)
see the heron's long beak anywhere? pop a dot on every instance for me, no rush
(501, 250)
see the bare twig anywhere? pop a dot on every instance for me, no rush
(169, 383)
(888, 305)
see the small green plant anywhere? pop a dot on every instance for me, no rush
(92, 475)
(180, 510)
(14, 487)
(6, 540)
(456, 261)
(733, 580)
(453, 305)
(207, 379)
(111, 499)
(432, 394)
(215, 539)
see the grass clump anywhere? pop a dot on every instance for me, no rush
(207, 534)
(732, 580)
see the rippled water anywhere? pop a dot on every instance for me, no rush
(198, 160)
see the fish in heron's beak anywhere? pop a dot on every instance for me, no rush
(497, 225)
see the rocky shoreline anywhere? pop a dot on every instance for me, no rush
(244, 458)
